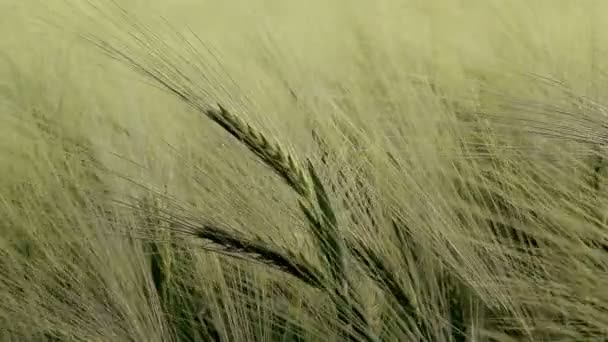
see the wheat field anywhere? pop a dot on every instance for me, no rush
(342, 170)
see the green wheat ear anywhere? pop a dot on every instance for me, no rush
(283, 163)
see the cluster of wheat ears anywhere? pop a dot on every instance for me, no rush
(478, 249)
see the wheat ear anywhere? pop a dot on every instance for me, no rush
(271, 154)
